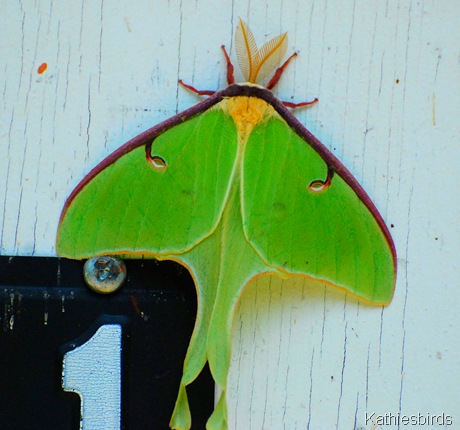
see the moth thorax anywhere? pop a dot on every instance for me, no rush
(247, 112)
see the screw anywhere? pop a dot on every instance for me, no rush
(104, 274)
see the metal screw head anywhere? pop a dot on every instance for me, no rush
(104, 274)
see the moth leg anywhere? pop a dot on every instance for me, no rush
(230, 68)
(275, 79)
(279, 71)
(301, 104)
(194, 90)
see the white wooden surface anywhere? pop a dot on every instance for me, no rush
(387, 77)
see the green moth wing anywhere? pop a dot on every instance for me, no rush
(330, 232)
(129, 205)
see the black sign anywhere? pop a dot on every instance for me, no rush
(49, 317)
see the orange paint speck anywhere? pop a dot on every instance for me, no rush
(42, 68)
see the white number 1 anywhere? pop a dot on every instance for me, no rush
(93, 371)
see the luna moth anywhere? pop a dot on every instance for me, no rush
(232, 188)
